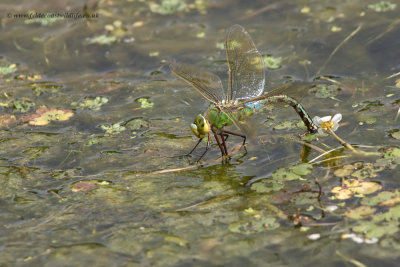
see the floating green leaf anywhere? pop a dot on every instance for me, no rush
(136, 124)
(384, 163)
(44, 116)
(354, 186)
(8, 69)
(360, 212)
(392, 152)
(288, 125)
(325, 91)
(368, 120)
(115, 128)
(312, 137)
(385, 198)
(346, 170)
(38, 89)
(23, 105)
(254, 225)
(101, 39)
(302, 169)
(365, 173)
(382, 6)
(266, 187)
(285, 174)
(292, 173)
(144, 102)
(94, 141)
(396, 135)
(94, 104)
(393, 214)
(371, 229)
(304, 198)
(366, 188)
(167, 6)
(272, 63)
(342, 192)
(370, 105)
(389, 161)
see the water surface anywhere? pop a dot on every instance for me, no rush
(95, 129)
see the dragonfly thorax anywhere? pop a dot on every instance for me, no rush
(200, 126)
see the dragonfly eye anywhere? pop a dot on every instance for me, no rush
(194, 129)
(200, 126)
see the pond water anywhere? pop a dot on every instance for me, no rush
(95, 129)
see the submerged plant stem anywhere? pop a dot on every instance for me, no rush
(350, 147)
(338, 47)
(342, 142)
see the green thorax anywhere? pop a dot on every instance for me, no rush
(220, 119)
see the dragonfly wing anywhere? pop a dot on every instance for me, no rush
(208, 84)
(246, 65)
(284, 95)
(248, 127)
(297, 90)
(244, 124)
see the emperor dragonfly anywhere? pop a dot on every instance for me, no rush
(244, 94)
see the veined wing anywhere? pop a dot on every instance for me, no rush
(243, 124)
(296, 90)
(280, 90)
(208, 84)
(246, 66)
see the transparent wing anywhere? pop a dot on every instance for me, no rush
(245, 124)
(208, 84)
(296, 90)
(246, 66)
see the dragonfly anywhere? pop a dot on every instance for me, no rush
(243, 97)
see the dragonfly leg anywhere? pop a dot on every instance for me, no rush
(191, 151)
(207, 147)
(223, 143)
(226, 136)
(236, 134)
(219, 144)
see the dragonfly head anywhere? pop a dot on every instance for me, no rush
(200, 127)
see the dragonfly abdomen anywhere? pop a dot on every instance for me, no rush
(312, 128)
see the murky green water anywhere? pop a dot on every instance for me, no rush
(94, 129)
